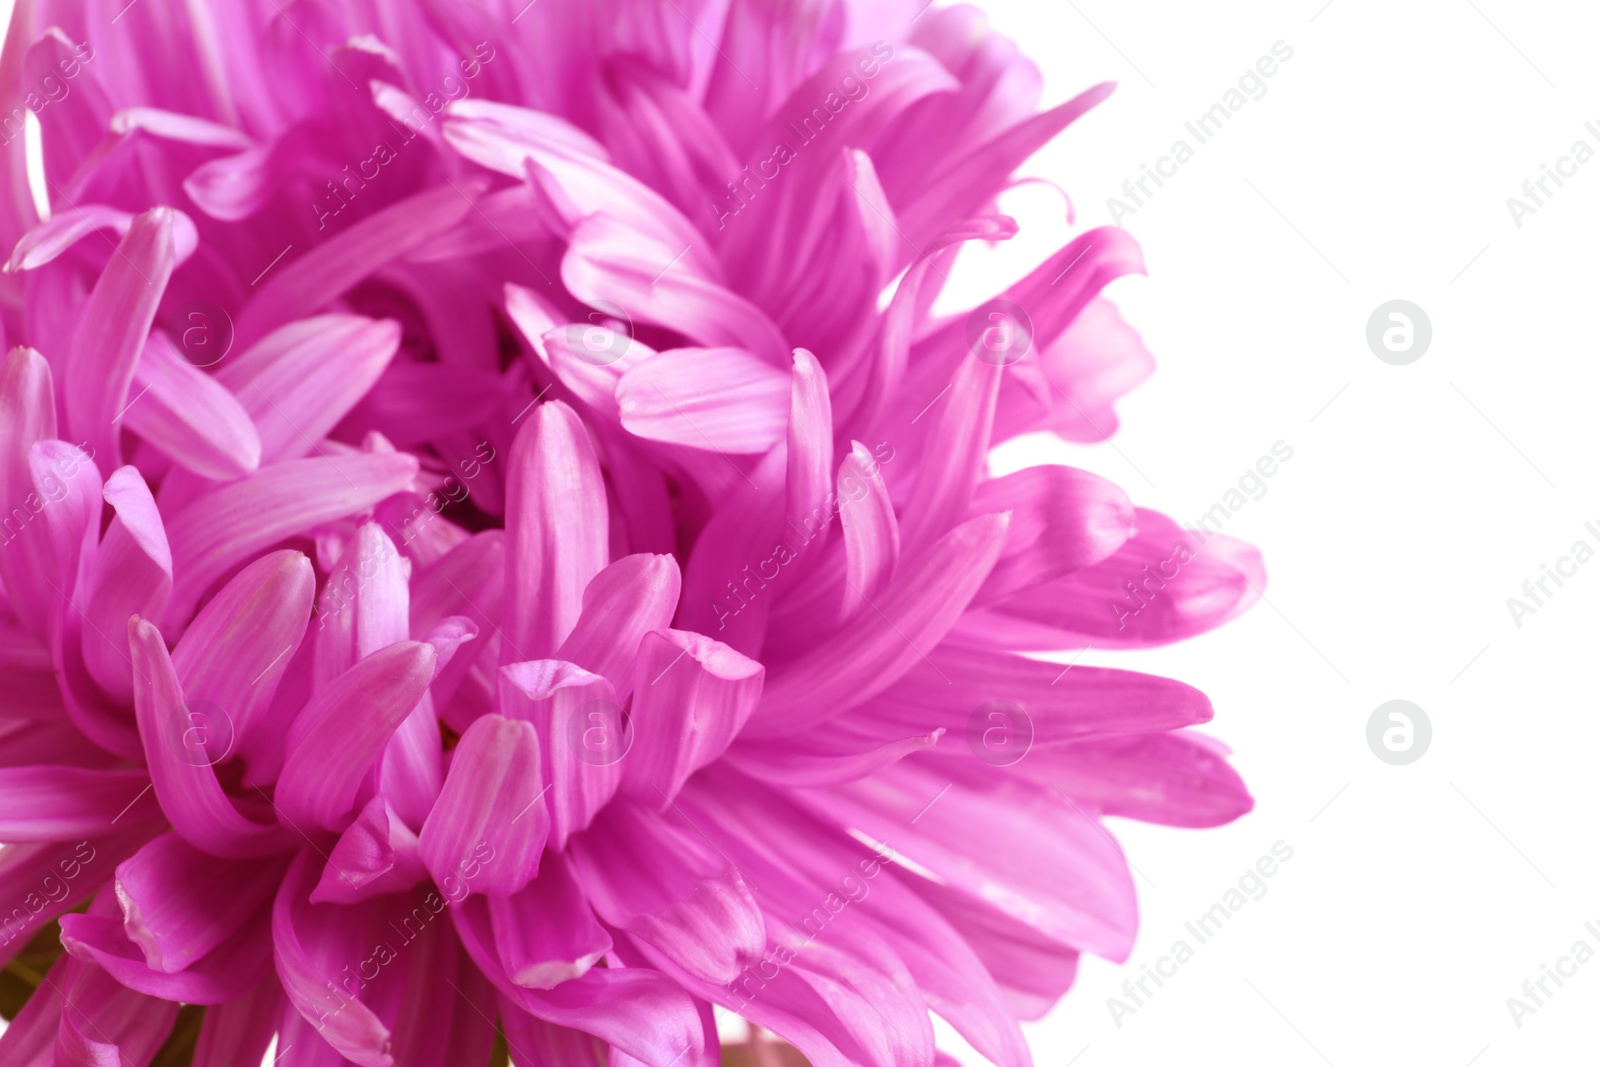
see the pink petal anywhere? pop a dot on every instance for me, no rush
(333, 743)
(307, 283)
(1164, 584)
(875, 648)
(489, 825)
(582, 731)
(54, 803)
(232, 657)
(190, 795)
(637, 1009)
(1062, 520)
(27, 414)
(376, 854)
(546, 932)
(299, 381)
(692, 696)
(693, 909)
(870, 528)
(188, 416)
(718, 399)
(100, 359)
(132, 575)
(609, 263)
(308, 961)
(230, 524)
(552, 472)
(179, 903)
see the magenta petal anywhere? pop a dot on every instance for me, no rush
(624, 602)
(489, 825)
(546, 932)
(1062, 520)
(693, 909)
(190, 417)
(1063, 704)
(99, 362)
(307, 965)
(1043, 862)
(609, 263)
(639, 1010)
(365, 604)
(298, 382)
(239, 1031)
(549, 562)
(717, 399)
(1172, 778)
(179, 903)
(53, 803)
(27, 414)
(582, 733)
(131, 575)
(871, 529)
(238, 647)
(225, 973)
(187, 786)
(228, 525)
(1164, 584)
(692, 696)
(333, 743)
(376, 854)
(875, 648)
(306, 284)
(54, 236)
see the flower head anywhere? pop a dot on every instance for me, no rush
(499, 547)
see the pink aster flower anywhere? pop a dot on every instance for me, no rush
(499, 548)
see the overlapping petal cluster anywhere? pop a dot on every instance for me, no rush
(499, 553)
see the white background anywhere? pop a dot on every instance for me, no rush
(1376, 167)
(1422, 897)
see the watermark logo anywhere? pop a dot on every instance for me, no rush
(1399, 732)
(201, 733)
(1399, 332)
(205, 333)
(600, 732)
(999, 333)
(1000, 732)
(604, 338)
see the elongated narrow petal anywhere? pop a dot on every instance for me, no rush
(308, 961)
(717, 399)
(305, 285)
(131, 575)
(343, 729)
(1062, 520)
(232, 657)
(871, 530)
(546, 932)
(112, 329)
(693, 908)
(179, 903)
(624, 602)
(228, 525)
(556, 526)
(300, 380)
(692, 696)
(376, 854)
(867, 654)
(27, 414)
(190, 416)
(52, 803)
(490, 823)
(186, 784)
(583, 732)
